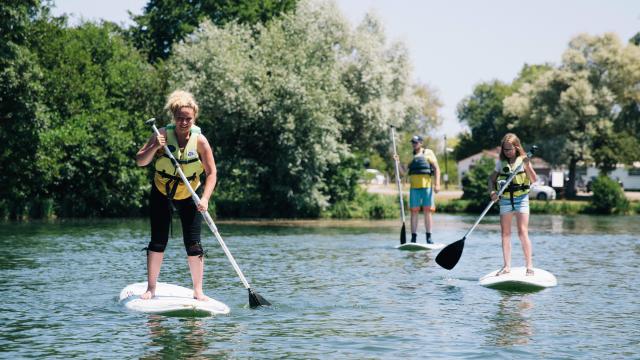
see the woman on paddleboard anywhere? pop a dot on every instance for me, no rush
(515, 199)
(169, 193)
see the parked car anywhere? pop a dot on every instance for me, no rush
(540, 191)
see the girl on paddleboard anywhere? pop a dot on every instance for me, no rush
(192, 150)
(515, 199)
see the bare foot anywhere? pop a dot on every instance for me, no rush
(529, 272)
(200, 296)
(150, 293)
(504, 270)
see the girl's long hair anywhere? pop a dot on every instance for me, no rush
(512, 139)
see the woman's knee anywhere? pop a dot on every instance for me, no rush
(194, 249)
(156, 247)
(523, 233)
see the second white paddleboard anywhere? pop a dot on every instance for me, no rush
(409, 246)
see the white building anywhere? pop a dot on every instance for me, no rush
(629, 176)
(467, 163)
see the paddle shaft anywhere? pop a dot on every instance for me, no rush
(205, 214)
(502, 189)
(395, 158)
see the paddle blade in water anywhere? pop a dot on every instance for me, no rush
(403, 235)
(256, 300)
(450, 255)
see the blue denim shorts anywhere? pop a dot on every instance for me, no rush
(422, 197)
(520, 204)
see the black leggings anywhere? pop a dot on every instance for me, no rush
(160, 211)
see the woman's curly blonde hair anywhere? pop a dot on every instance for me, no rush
(179, 99)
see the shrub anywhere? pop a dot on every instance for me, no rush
(608, 197)
(565, 207)
(365, 206)
(453, 206)
(474, 184)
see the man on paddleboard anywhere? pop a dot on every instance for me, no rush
(424, 177)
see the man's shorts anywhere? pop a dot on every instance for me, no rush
(422, 197)
(520, 205)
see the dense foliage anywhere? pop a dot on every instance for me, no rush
(483, 112)
(99, 90)
(608, 196)
(586, 109)
(292, 106)
(289, 105)
(71, 118)
(475, 181)
(20, 112)
(167, 22)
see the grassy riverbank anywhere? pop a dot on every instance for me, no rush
(380, 205)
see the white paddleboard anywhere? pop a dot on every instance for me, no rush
(409, 246)
(169, 299)
(517, 280)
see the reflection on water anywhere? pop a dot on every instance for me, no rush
(172, 338)
(511, 325)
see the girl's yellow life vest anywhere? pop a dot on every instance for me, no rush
(519, 184)
(166, 178)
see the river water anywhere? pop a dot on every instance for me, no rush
(339, 290)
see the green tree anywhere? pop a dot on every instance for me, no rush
(287, 108)
(20, 111)
(166, 22)
(483, 112)
(380, 93)
(610, 148)
(99, 90)
(570, 107)
(474, 182)
(608, 197)
(635, 39)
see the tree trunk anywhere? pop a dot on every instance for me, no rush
(571, 184)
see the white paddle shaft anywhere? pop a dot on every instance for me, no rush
(395, 157)
(205, 214)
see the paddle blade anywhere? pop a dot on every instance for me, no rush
(450, 255)
(256, 300)
(403, 235)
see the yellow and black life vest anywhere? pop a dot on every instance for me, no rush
(421, 169)
(519, 184)
(420, 165)
(166, 178)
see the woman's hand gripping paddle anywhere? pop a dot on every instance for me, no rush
(255, 299)
(403, 232)
(450, 255)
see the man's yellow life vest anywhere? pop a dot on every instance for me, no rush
(166, 178)
(519, 184)
(421, 170)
